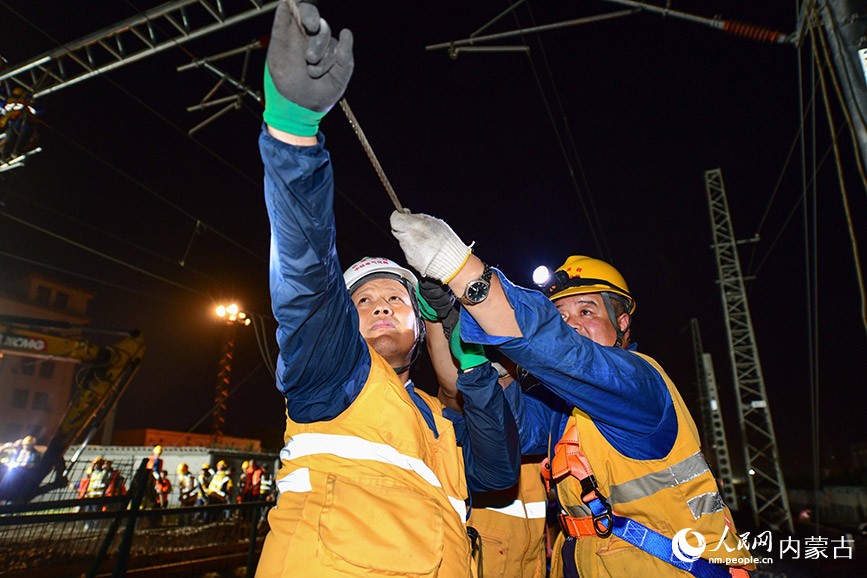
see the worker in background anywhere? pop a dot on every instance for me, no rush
(17, 121)
(154, 466)
(266, 485)
(186, 491)
(373, 482)
(28, 455)
(84, 482)
(203, 480)
(115, 484)
(96, 485)
(220, 486)
(621, 418)
(255, 476)
(97, 481)
(164, 488)
(244, 482)
(511, 522)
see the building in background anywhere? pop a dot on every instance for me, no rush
(34, 392)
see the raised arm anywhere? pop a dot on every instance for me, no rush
(322, 356)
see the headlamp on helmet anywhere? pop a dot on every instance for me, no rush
(580, 275)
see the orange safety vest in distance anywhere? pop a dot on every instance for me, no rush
(512, 526)
(667, 495)
(371, 492)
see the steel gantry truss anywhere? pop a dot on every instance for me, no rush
(128, 41)
(712, 420)
(767, 489)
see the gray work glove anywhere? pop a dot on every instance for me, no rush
(304, 78)
(429, 245)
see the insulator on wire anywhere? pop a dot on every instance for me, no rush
(752, 31)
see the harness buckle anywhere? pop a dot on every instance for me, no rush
(604, 530)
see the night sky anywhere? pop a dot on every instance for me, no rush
(650, 103)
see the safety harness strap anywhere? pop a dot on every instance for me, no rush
(570, 460)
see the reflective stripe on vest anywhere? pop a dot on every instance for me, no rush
(518, 509)
(648, 484)
(352, 448)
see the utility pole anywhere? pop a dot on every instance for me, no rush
(712, 420)
(767, 489)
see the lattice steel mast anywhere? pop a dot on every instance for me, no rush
(712, 420)
(767, 489)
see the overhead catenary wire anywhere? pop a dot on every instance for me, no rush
(56, 269)
(811, 269)
(109, 234)
(233, 167)
(590, 213)
(228, 395)
(99, 253)
(170, 123)
(843, 192)
(355, 125)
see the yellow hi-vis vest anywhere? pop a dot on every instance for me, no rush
(512, 526)
(370, 492)
(666, 495)
(96, 485)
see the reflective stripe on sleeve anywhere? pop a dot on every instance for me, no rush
(648, 484)
(518, 509)
(355, 448)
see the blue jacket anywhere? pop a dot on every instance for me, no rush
(625, 397)
(324, 362)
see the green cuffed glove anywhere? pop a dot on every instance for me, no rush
(469, 355)
(434, 299)
(305, 75)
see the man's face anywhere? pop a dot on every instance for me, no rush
(587, 315)
(386, 319)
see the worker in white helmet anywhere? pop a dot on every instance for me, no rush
(624, 454)
(373, 481)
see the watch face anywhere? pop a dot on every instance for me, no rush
(477, 291)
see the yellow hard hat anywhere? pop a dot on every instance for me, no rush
(98, 459)
(28, 441)
(206, 466)
(580, 275)
(183, 467)
(158, 449)
(244, 464)
(221, 463)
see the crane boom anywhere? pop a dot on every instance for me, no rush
(108, 371)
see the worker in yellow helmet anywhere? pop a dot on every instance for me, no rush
(27, 455)
(626, 457)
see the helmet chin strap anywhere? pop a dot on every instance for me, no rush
(621, 333)
(419, 323)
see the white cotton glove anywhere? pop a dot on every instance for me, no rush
(429, 245)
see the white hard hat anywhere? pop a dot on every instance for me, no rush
(378, 267)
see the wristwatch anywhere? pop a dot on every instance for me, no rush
(477, 290)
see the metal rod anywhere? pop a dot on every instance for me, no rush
(497, 18)
(209, 103)
(356, 127)
(215, 116)
(456, 51)
(353, 122)
(196, 63)
(542, 28)
(713, 22)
